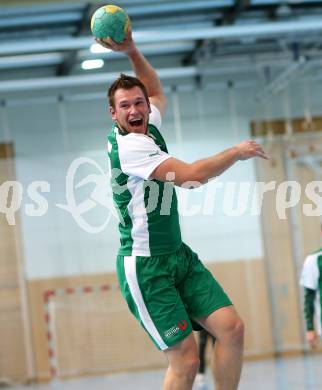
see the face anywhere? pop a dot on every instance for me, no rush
(131, 110)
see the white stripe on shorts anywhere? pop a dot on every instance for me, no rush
(131, 278)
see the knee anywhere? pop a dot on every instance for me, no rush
(233, 331)
(237, 330)
(187, 367)
(193, 364)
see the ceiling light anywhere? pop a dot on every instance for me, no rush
(284, 10)
(92, 64)
(97, 48)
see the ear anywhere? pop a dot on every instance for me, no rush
(113, 113)
(149, 105)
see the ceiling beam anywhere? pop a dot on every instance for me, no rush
(40, 20)
(283, 79)
(48, 59)
(169, 8)
(44, 59)
(234, 12)
(38, 84)
(37, 9)
(142, 37)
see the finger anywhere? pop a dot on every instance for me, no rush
(263, 155)
(256, 145)
(109, 42)
(256, 149)
(103, 43)
(260, 149)
(113, 44)
(99, 41)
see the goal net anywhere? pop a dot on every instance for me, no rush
(92, 333)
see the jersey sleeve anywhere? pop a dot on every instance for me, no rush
(139, 155)
(309, 298)
(310, 273)
(155, 118)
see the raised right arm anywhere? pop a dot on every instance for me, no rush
(142, 68)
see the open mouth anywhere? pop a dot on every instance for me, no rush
(136, 122)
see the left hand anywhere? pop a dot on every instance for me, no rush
(248, 149)
(312, 338)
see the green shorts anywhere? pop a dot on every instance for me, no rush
(165, 293)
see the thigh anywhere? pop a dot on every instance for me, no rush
(153, 299)
(200, 291)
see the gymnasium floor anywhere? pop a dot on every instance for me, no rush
(294, 373)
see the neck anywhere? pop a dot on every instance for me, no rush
(128, 132)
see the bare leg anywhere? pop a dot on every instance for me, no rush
(228, 328)
(183, 365)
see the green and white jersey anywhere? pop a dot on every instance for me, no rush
(311, 278)
(149, 221)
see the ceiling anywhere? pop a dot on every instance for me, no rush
(43, 43)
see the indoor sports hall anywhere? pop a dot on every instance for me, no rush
(231, 70)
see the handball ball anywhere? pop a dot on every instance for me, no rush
(110, 21)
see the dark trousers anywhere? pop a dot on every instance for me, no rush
(203, 337)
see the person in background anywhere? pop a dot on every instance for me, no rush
(311, 280)
(200, 381)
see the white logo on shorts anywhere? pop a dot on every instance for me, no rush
(172, 331)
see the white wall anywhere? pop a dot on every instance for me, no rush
(55, 244)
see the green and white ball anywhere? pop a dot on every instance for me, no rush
(110, 21)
